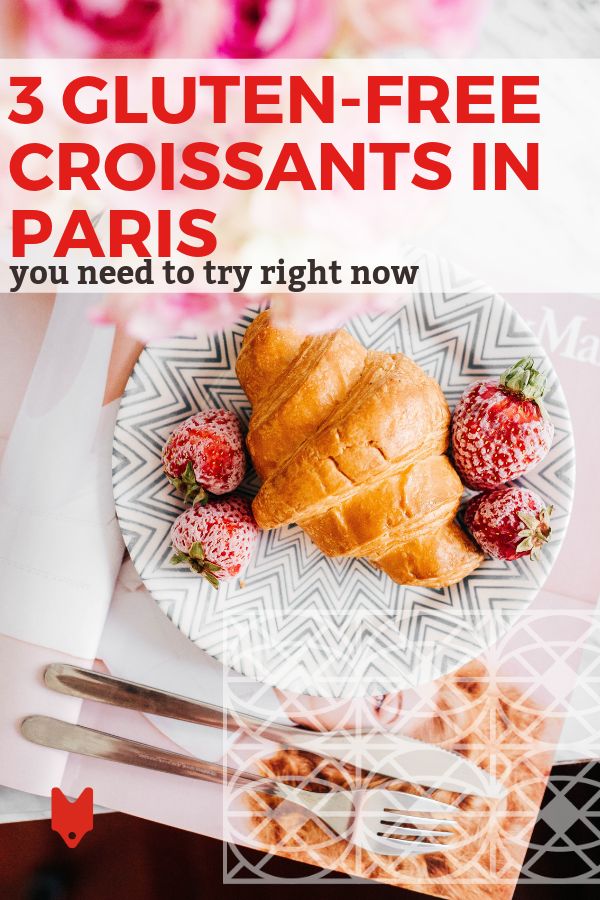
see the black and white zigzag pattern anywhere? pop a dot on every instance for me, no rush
(303, 622)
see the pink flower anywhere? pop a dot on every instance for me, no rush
(281, 28)
(125, 28)
(153, 316)
(446, 27)
(450, 26)
(141, 28)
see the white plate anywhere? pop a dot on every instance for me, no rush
(303, 622)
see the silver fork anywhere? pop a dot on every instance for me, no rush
(386, 822)
(382, 821)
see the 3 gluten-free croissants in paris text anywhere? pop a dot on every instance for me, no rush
(350, 444)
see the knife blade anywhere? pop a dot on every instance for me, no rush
(379, 752)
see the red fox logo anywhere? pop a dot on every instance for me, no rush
(72, 820)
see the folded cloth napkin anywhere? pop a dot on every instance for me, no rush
(60, 545)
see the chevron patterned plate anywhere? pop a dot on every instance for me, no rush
(298, 620)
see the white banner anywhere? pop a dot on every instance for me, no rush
(320, 176)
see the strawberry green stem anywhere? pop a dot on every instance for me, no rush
(524, 379)
(536, 531)
(189, 487)
(197, 562)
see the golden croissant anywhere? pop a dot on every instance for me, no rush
(350, 445)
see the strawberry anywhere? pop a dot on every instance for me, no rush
(500, 431)
(216, 540)
(509, 523)
(205, 454)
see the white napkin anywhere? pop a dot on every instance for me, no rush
(60, 545)
(140, 644)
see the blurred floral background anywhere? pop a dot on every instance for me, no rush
(234, 29)
(238, 28)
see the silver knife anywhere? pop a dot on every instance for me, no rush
(380, 752)
(49, 732)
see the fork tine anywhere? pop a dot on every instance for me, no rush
(395, 800)
(395, 842)
(398, 816)
(396, 823)
(415, 832)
